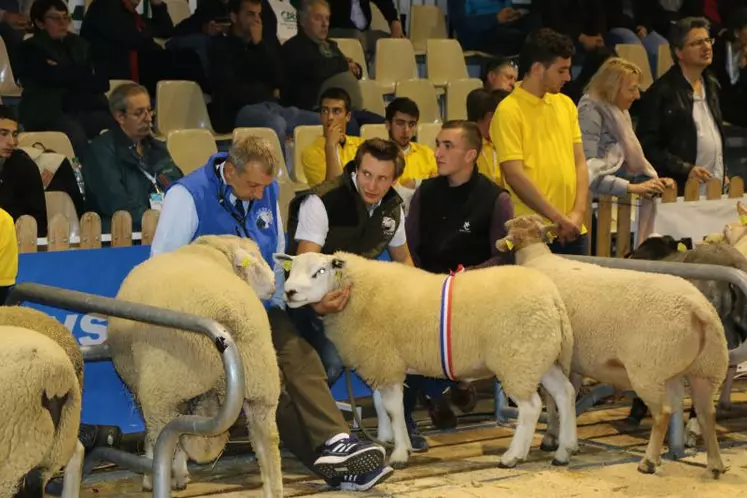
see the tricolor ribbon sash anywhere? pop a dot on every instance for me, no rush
(447, 362)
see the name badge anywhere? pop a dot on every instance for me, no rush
(156, 201)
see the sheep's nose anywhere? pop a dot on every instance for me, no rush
(290, 293)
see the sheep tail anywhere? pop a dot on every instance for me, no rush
(566, 337)
(713, 356)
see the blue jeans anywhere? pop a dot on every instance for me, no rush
(651, 43)
(272, 115)
(311, 328)
(432, 388)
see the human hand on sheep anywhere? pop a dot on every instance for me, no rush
(569, 227)
(332, 302)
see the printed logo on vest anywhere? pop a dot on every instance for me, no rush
(466, 228)
(264, 219)
(388, 225)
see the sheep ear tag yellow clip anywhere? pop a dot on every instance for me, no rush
(287, 265)
(246, 261)
(681, 247)
(510, 245)
(743, 219)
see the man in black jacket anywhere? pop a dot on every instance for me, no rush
(680, 124)
(247, 76)
(730, 68)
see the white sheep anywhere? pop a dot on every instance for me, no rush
(40, 400)
(172, 372)
(637, 331)
(507, 322)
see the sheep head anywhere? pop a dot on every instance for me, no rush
(310, 276)
(525, 231)
(246, 260)
(737, 230)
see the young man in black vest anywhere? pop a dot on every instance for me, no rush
(454, 221)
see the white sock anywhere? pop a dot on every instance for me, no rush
(336, 438)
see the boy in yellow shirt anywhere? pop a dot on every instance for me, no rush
(325, 158)
(481, 105)
(402, 116)
(8, 255)
(538, 139)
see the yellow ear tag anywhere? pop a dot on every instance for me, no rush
(246, 261)
(338, 276)
(743, 219)
(681, 247)
(509, 244)
(287, 265)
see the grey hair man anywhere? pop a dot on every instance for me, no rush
(236, 193)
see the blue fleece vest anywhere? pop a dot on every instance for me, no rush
(217, 215)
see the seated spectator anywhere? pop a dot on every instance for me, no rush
(123, 45)
(352, 19)
(126, 169)
(500, 74)
(402, 116)
(730, 67)
(14, 21)
(8, 255)
(61, 91)
(57, 174)
(614, 156)
(481, 105)
(21, 187)
(494, 26)
(592, 62)
(247, 77)
(680, 126)
(325, 157)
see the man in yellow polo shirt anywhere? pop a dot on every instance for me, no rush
(326, 156)
(481, 106)
(8, 255)
(538, 139)
(402, 115)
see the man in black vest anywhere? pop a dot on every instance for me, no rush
(454, 220)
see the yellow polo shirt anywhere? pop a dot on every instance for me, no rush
(487, 162)
(314, 159)
(420, 163)
(8, 250)
(541, 133)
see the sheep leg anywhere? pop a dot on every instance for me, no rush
(180, 472)
(529, 412)
(724, 400)
(385, 431)
(73, 472)
(563, 394)
(148, 478)
(263, 434)
(550, 439)
(702, 393)
(652, 458)
(392, 398)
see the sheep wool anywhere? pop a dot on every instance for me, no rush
(172, 372)
(636, 331)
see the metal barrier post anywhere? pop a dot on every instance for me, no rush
(228, 412)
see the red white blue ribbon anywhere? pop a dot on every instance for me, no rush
(447, 362)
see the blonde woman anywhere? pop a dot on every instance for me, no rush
(614, 156)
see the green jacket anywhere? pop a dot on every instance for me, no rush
(114, 177)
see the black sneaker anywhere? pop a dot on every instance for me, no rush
(362, 482)
(349, 457)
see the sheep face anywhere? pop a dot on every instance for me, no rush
(312, 275)
(525, 231)
(737, 230)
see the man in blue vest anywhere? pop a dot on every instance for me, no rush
(236, 193)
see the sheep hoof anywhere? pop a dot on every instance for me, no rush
(646, 467)
(717, 473)
(549, 446)
(147, 483)
(509, 464)
(398, 465)
(559, 463)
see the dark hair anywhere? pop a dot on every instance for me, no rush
(382, 150)
(335, 93)
(40, 8)
(737, 20)
(481, 101)
(470, 132)
(7, 113)
(679, 31)
(656, 248)
(234, 6)
(495, 64)
(544, 46)
(403, 105)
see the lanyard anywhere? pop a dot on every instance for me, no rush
(152, 180)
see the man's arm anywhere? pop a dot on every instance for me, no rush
(177, 223)
(313, 225)
(412, 227)
(582, 183)
(400, 254)
(513, 173)
(398, 245)
(503, 210)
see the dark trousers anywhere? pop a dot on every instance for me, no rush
(4, 292)
(578, 247)
(432, 388)
(307, 414)
(311, 328)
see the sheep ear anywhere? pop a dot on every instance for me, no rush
(504, 245)
(741, 209)
(338, 264)
(242, 260)
(284, 260)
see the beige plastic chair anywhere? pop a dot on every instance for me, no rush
(395, 61)
(302, 138)
(178, 10)
(444, 62)
(378, 21)
(664, 61)
(180, 105)
(426, 22)
(272, 137)
(54, 140)
(372, 98)
(424, 94)
(113, 84)
(8, 86)
(427, 133)
(190, 149)
(351, 47)
(374, 131)
(61, 203)
(456, 97)
(636, 54)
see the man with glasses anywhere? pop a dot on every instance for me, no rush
(500, 73)
(126, 168)
(680, 123)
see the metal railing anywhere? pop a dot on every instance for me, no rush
(190, 424)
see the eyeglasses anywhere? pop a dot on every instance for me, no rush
(56, 18)
(8, 133)
(703, 41)
(142, 113)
